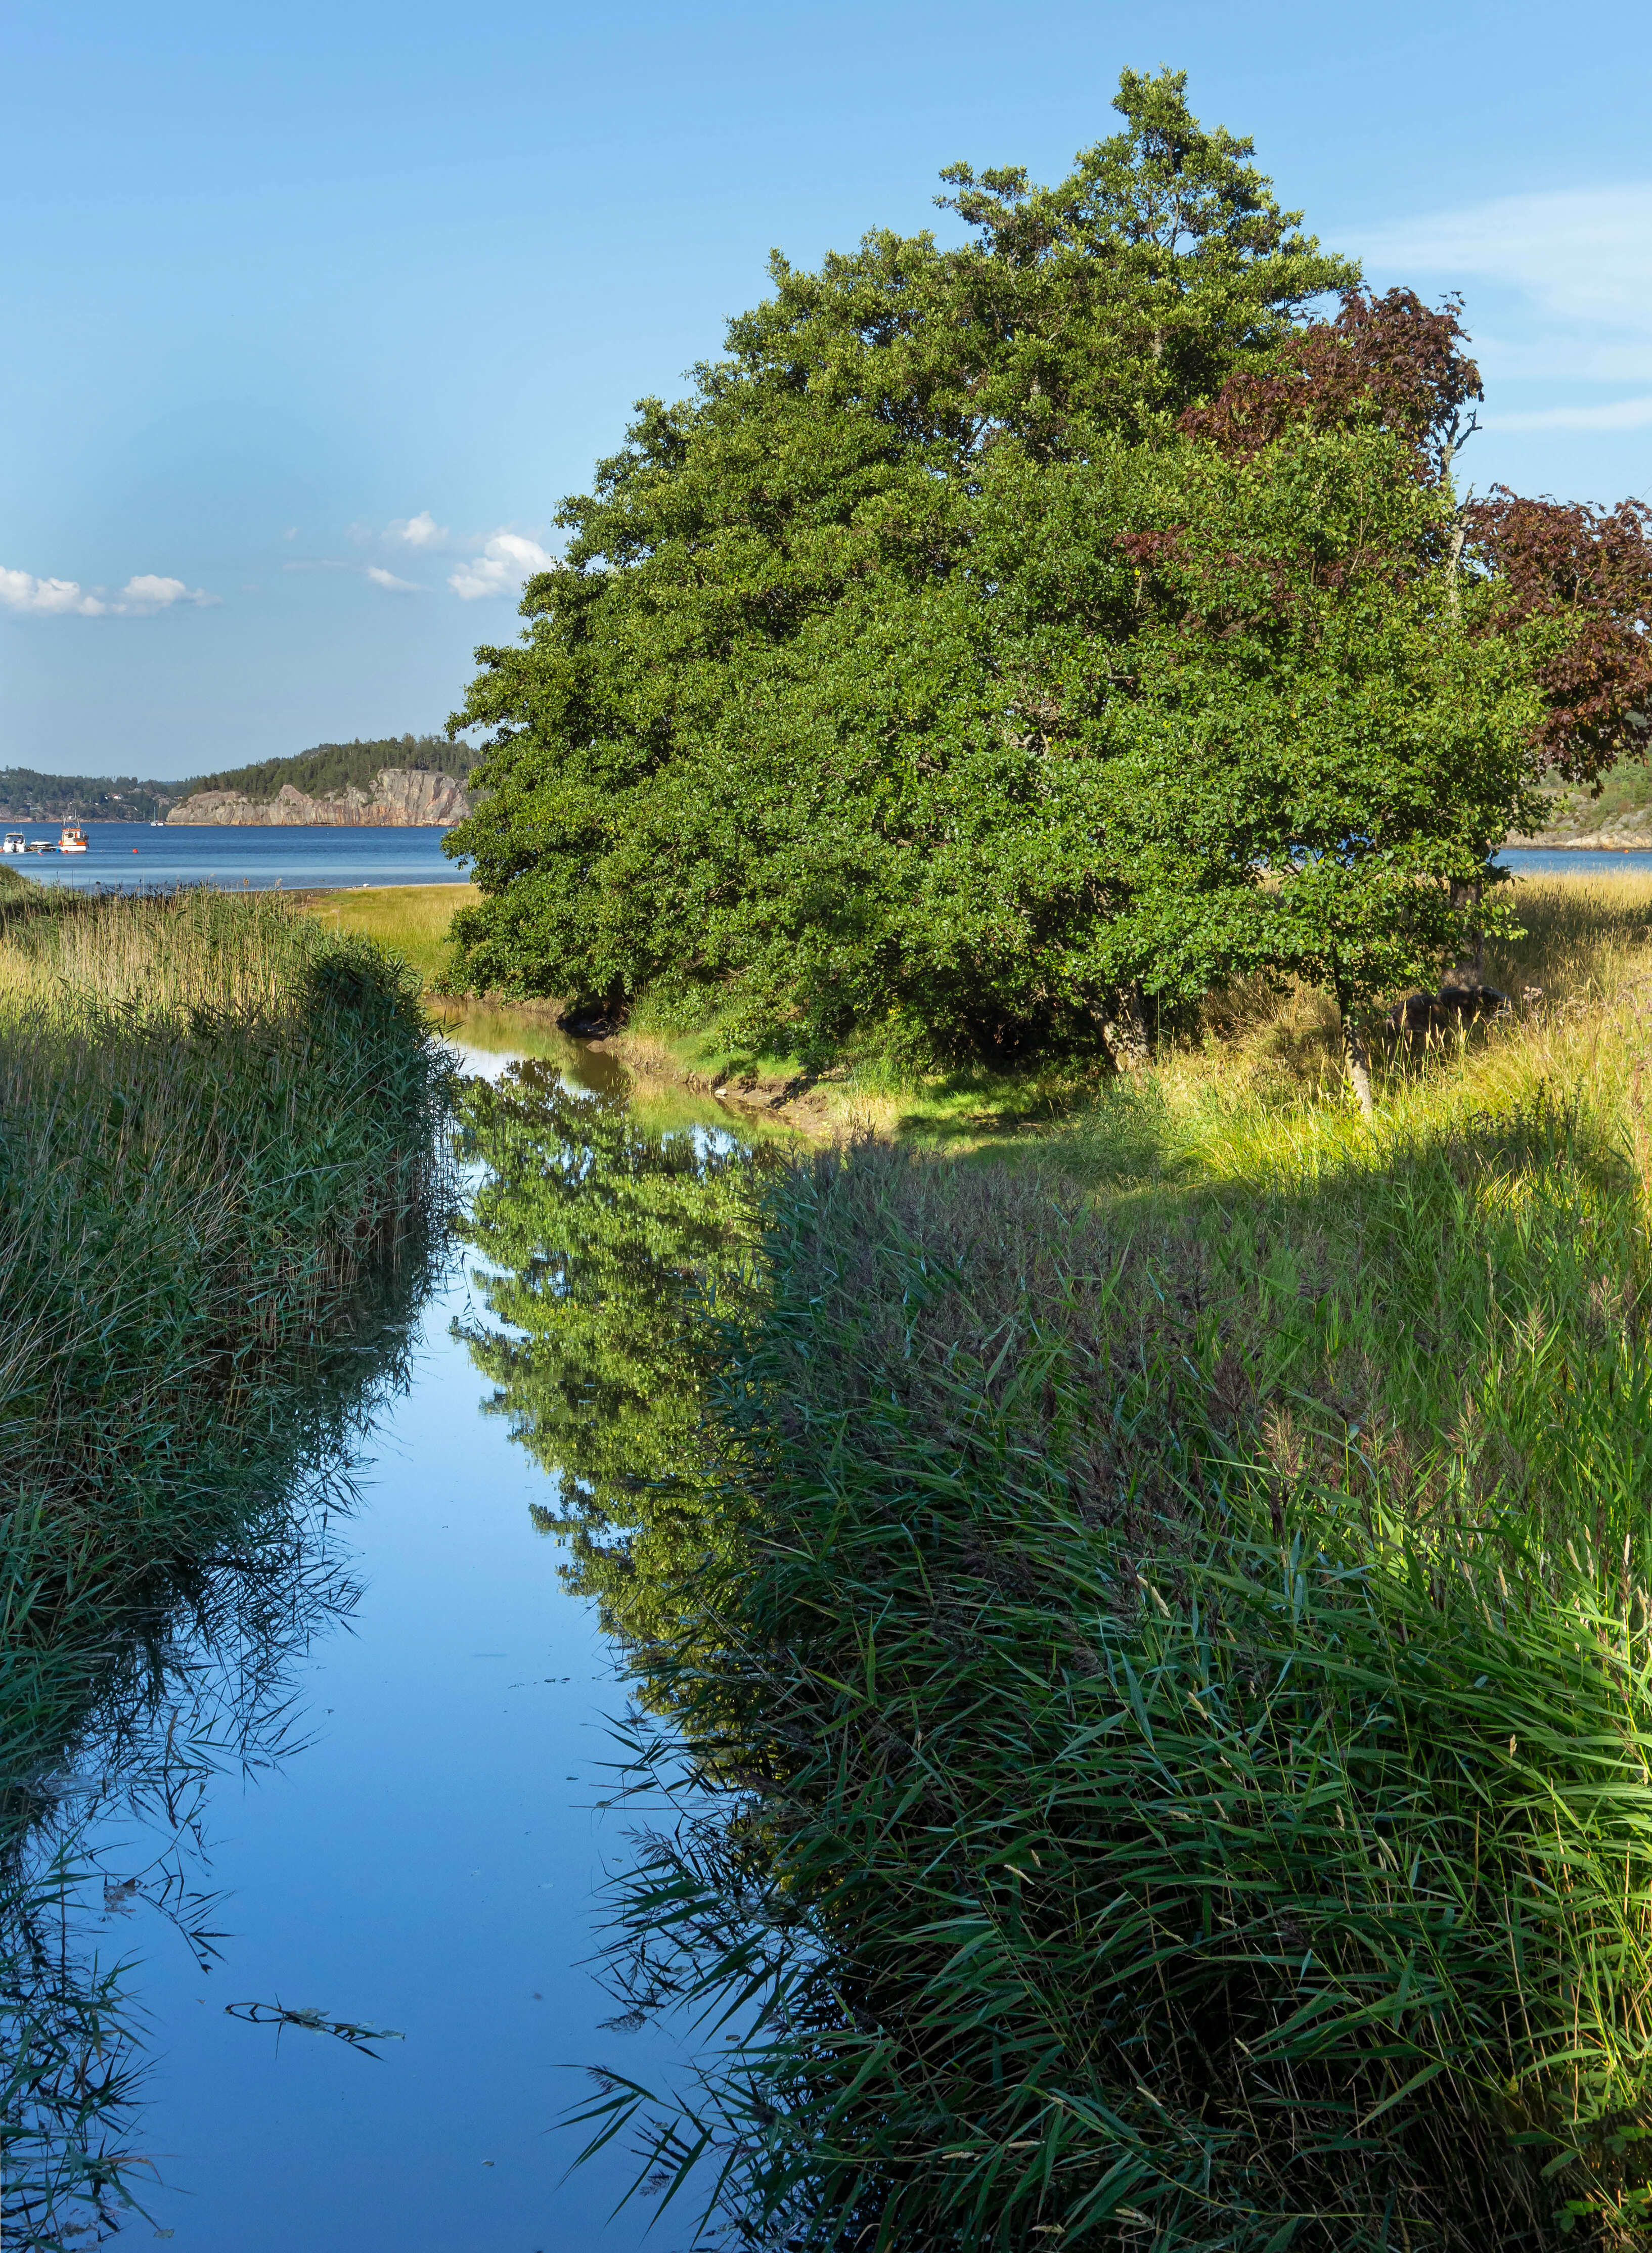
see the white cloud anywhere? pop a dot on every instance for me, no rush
(506, 560)
(1579, 254)
(1622, 414)
(21, 590)
(1561, 355)
(420, 531)
(141, 598)
(1577, 264)
(382, 578)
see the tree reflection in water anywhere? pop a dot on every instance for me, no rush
(608, 1239)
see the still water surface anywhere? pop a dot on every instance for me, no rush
(1539, 860)
(131, 853)
(424, 1857)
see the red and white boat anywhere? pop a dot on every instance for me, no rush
(73, 839)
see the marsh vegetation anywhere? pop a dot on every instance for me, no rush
(1137, 1611)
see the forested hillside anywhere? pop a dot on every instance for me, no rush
(26, 795)
(334, 766)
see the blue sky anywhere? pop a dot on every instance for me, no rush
(309, 315)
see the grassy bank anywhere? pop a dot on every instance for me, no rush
(1586, 938)
(214, 1120)
(1180, 1708)
(411, 920)
(217, 1148)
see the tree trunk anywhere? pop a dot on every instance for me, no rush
(1359, 1070)
(1458, 527)
(1471, 962)
(1356, 1062)
(1453, 568)
(1133, 1028)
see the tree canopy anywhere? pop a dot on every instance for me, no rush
(999, 632)
(27, 795)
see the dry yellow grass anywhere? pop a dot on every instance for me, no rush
(1262, 1095)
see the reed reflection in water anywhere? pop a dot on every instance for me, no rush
(194, 1681)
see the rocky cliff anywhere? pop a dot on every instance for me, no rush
(1619, 832)
(403, 797)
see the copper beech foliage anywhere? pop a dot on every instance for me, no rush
(1583, 574)
(1391, 359)
(1586, 574)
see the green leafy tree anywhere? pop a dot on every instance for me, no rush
(837, 448)
(1007, 641)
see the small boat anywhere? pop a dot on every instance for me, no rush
(15, 842)
(73, 839)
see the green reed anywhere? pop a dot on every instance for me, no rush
(1181, 1740)
(217, 1138)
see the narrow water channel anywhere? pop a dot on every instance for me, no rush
(404, 1833)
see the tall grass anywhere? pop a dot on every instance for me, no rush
(1181, 1735)
(216, 1144)
(1261, 1090)
(210, 1118)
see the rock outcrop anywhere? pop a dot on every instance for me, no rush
(1626, 832)
(403, 797)
(1456, 1003)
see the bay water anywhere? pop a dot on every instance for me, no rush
(135, 854)
(131, 854)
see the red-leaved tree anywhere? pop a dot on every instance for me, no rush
(1587, 573)
(1582, 573)
(1391, 359)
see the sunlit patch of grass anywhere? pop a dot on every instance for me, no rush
(1260, 1098)
(412, 920)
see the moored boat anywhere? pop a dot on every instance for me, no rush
(73, 839)
(15, 842)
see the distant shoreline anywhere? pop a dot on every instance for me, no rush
(439, 825)
(113, 821)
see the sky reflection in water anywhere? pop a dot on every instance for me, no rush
(428, 1863)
